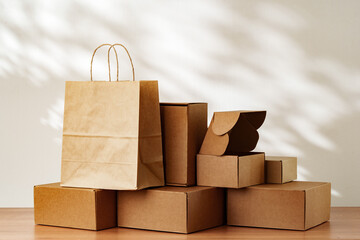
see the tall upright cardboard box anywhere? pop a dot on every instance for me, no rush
(294, 205)
(183, 129)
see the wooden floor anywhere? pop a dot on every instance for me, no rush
(19, 224)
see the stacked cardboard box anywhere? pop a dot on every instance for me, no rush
(225, 159)
(183, 207)
(212, 177)
(113, 139)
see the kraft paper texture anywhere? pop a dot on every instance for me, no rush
(112, 135)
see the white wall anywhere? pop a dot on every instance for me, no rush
(297, 59)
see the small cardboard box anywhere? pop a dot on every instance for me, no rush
(232, 133)
(172, 209)
(294, 205)
(183, 129)
(280, 169)
(230, 171)
(83, 208)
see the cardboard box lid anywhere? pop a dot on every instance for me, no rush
(232, 132)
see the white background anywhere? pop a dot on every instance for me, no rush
(299, 60)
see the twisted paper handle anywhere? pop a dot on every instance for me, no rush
(131, 62)
(92, 59)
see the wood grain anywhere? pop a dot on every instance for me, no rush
(19, 224)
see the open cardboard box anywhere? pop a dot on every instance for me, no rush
(294, 205)
(183, 129)
(230, 171)
(83, 208)
(280, 169)
(232, 133)
(172, 209)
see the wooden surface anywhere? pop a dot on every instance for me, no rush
(19, 224)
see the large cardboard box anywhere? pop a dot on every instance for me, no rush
(172, 209)
(183, 129)
(83, 208)
(294, 205)
(230, 171)
(232, 133)
(280, 169)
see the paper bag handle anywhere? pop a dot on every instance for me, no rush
(131, 62)
(92, 59)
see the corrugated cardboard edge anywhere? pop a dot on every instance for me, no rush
(34, 189)
(282, 171)
(187, 213)
(237, 173)
(187, 148)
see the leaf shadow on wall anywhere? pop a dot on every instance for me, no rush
(284, 57)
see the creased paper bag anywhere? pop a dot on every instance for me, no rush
(112, 134)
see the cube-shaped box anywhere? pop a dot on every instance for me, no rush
(172, 209)
(280, 169)
(230, 171)
(183, 127)
(294, 205)
(83, 208)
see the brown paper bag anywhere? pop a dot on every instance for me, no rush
(112, 134)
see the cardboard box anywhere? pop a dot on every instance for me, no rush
(293, 205)
(280, 169)
(83, 208)
(232, 133)
(183, 129)
(230, 171)
(172, 209)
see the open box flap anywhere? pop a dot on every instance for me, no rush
(223, 122)
(232, 132)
